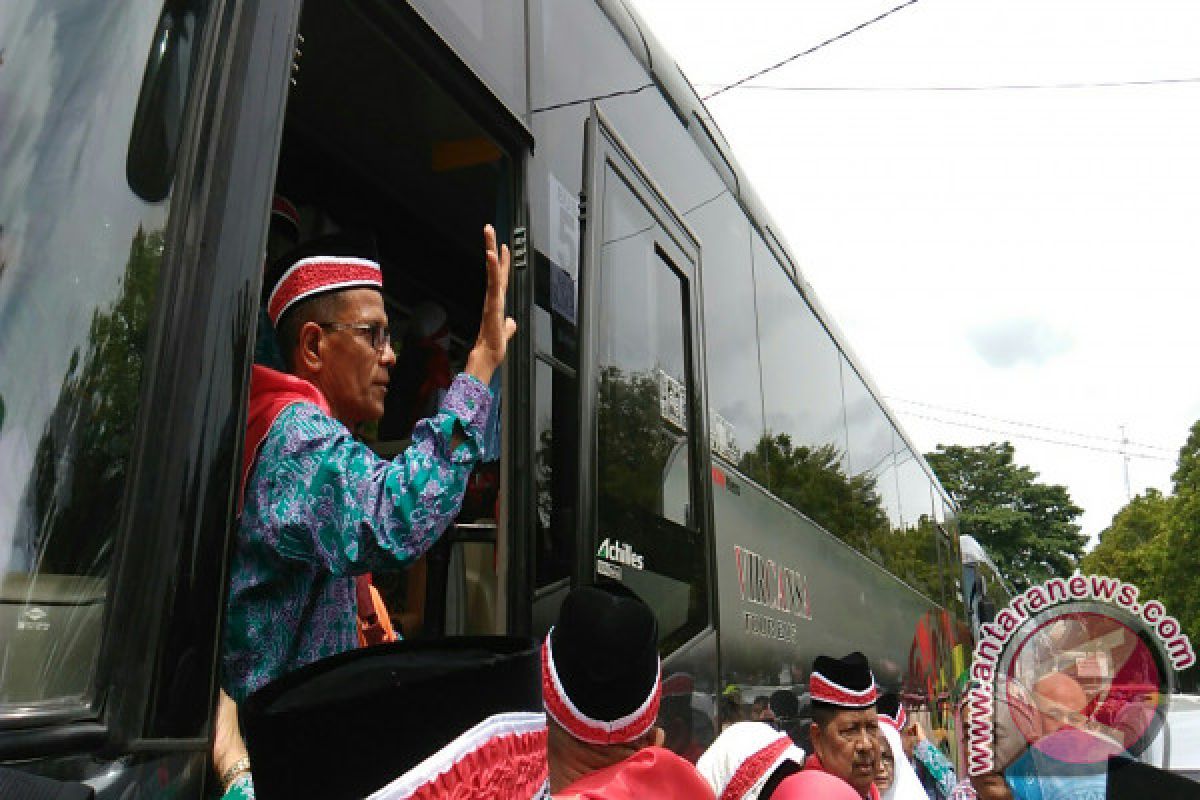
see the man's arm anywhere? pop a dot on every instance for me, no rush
(369, 513)
(935, 763)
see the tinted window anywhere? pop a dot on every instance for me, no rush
(490, 36)
(556, 458)
(871, 456)
(801, 457)
(554, 312)
(90, 126)
(730, 332)
(647, 535)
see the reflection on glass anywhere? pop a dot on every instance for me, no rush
(731, 335)
(802, 458)
(80, 254)
(556, 432)
(647, 538)
(641, 410)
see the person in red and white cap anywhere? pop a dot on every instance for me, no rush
(845, 727)
(318, 508)
(748, 761)
(601, 688)
(901, 782)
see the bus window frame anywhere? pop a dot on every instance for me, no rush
(432, 53)
(605, 149)
(226, 122)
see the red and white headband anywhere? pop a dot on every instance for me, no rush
(899, 722)
(319, 274)
(823, 690)
(587, 729)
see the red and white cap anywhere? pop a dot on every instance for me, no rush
(319, 274)
(626, 728)
(285, 210)
(601, 674)
(845, 682)
(891, 710)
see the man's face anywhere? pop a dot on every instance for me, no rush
(885, 772)
(1060, 702)
(848, 747)
(354, 375)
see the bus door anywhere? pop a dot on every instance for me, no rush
(136, 139)
(645, 517)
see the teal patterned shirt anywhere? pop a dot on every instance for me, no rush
(321, 508)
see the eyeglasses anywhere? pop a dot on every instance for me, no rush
(378, 333)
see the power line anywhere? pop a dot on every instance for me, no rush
(1030, 437)
(999, 87)
(1047, 428)
(810, 50)
(592, 98)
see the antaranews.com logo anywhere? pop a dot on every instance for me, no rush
(1077, 669)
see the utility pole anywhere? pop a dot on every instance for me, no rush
(1125, 459)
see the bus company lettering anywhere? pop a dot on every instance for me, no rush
(763, 582)
(614, 550)
(760, 625)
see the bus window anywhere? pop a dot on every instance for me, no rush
(556, 458)
(406, 168)
(83, 213)
(648, 530)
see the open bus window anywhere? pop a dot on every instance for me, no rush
(80, 254)
(374, 146)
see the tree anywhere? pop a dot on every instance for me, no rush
(1132, 548)
(83, 454)
(813, 481)
(1154, 542)
(1026, 526)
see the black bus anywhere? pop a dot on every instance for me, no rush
(678, 412)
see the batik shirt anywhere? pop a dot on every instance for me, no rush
(937, 766)
(320, 508)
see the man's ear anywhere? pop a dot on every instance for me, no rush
(308, 347)
(814, 735)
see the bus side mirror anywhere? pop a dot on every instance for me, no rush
(158, 120)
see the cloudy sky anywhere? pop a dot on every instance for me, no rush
(1026, 255)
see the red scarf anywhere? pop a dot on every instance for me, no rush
(271, 392)
(812, 762)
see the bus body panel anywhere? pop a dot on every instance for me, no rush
(781, 588)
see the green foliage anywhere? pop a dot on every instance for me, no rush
(1154, 542)
(83, 455)
(813, 481)
(1028, 527)
(634, 442)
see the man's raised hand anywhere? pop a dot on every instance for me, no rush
(495, 329)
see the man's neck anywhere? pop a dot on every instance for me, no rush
(571, 759)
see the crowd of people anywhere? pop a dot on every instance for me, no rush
(320, 511)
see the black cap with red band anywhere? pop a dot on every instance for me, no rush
(846, 682)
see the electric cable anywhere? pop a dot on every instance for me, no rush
(1030, 437)
(810, 50)
(999, 87)
(1032, 425)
